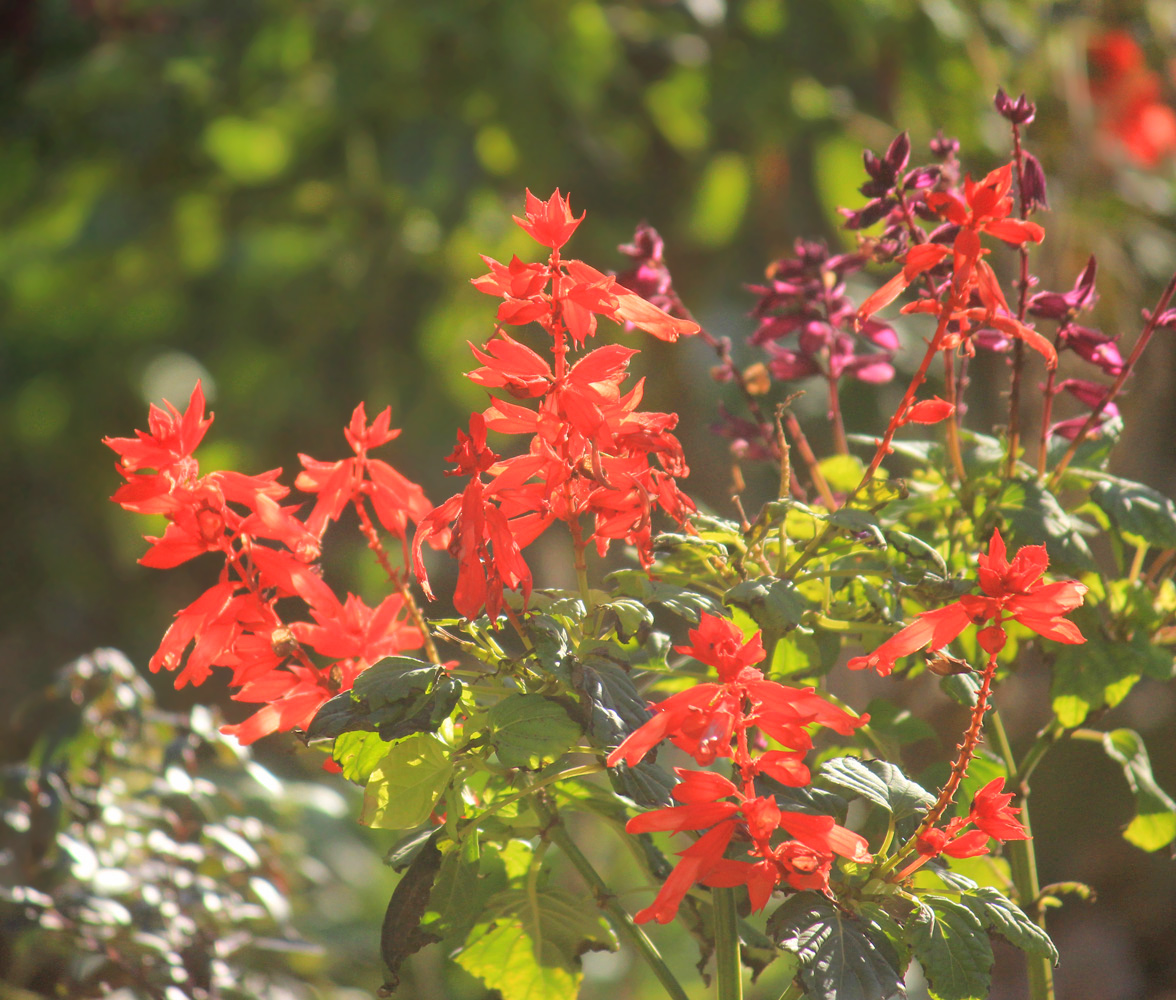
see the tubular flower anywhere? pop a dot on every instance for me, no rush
(788, 849)
(1009, 590)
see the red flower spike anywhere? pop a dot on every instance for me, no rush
(549, 222)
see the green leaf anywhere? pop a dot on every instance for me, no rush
(916, 548)
(527, 945)
(1137, 509)
(949, 941)
(687, 604)
(963, 689)
(841, 958)
(1007, 919)
(626, 616)
(405, 786)
(358, 753)
(775, 604)
(1154, 825)
(878, 782)
(648, 784)
(401, 934)
(463, 887)
(1097, 674)
(860, 523)
(610, 705)
(808, 654)
(529, 730)
(395, 697)
(898, 724)
(1035, 514)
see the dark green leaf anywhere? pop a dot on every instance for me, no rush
(1154, 825)
(687, 604)
(916, 548)
(401, 935)
(1036, 515)
(1137, 509)
(775, 604)
(647, 783)
(1006, 918)
(961, 688)
(625, 615)
(395, 697)
(610, 706)
(898, 724)
(949, 941)
(529, 730)
(876, 781)
(860, 523)
(841, 958)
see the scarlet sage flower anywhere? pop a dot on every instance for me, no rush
(984, 209)
(1009, 590)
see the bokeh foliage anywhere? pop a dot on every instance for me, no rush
(288, 199)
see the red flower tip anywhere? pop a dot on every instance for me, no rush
(991, 813)
(549, 222)
(928, 411)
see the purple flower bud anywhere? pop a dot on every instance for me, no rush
(816, 336)
(786, 364)
(1019, 112)
(874, 369)
(1167, 319)
(944, 147)
(1086, 392)
(1034, 190)
(1059, 305)
(921, 178)
(877, 168)
(869, 213)
(774, 327)
(1069, 429)
(647, 244)
(1094, 346)
(899, 153)
(880, 334)
(991, 340)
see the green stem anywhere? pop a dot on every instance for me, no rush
(794, 992)
(619, 917)
(728, 970)
(1023, 857)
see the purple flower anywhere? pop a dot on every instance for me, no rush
(1019, 112)
(1066, 305)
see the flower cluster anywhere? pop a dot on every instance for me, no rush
(1128, 97)
(235, 624)
(592, 452)
(1010, 589)
(781, 847)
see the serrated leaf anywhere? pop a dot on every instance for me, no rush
(611, 707)
(841, 958)
(687, 604)
(1154, 825)
(529, 730)
(776, 605)
(876, 781)
(357, 753)
(625, 615)
(1137, 509)
(949, 941)
(395, 697)
(647, 784)
(1034, 513)
(527, 945)
(461, 891)
(1006, 918)
(405, 786)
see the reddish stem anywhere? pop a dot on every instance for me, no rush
(1022, 303)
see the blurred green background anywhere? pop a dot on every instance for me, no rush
(288, 199)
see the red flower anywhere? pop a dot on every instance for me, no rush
(1010, 590)
(169, 443)
(549, 222)
(991, 813)
(396, 499)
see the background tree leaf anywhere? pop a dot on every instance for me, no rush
(1154, 825)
